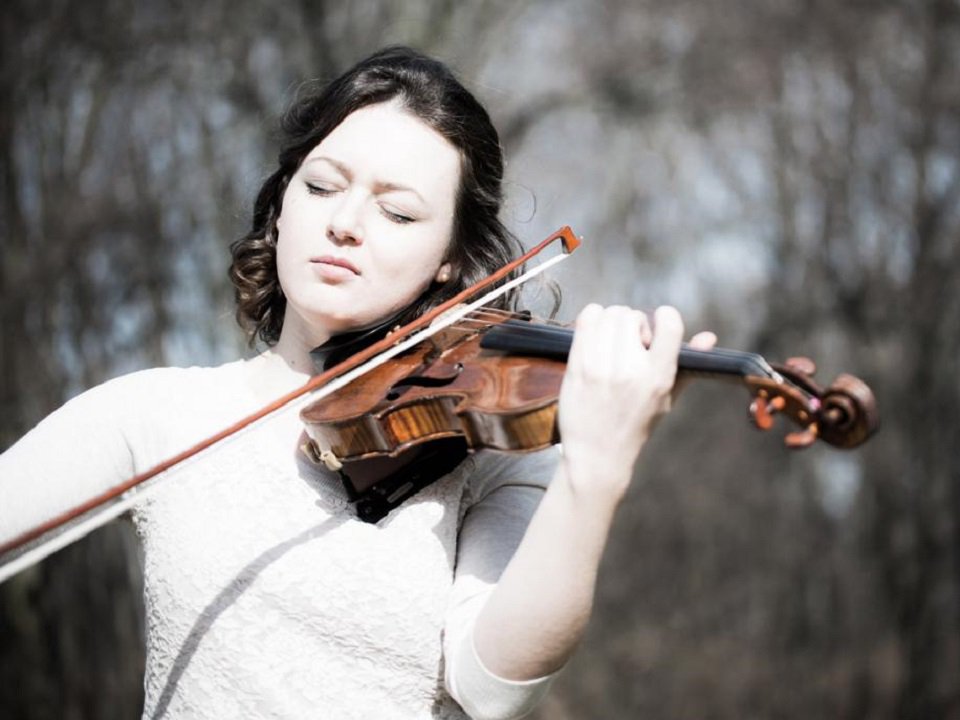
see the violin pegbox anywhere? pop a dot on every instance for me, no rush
(772, 398)
(843, 414)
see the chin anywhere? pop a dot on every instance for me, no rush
(338, 323)
(334, 318)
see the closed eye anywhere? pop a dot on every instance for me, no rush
(326, 191)
(396, 217)
(321, 190)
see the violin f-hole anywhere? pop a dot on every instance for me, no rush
(440, 375)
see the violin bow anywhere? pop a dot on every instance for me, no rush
(32, 546)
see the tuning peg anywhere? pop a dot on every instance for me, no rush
(801, 365)
(803, 438)
(762, 410)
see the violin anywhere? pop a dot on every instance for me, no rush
(405, 409)
(492, 380)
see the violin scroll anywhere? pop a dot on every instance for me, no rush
(844, 414)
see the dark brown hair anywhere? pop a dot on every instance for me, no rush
(426, 88)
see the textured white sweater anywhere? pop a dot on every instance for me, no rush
(264, 596)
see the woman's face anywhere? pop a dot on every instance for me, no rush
(366, 222)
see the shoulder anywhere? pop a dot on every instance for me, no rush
(163, 379)
(163, 390)
(158, 398)
(163, 410)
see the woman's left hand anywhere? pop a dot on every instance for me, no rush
(620, 379)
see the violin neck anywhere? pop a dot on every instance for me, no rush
(517, 336)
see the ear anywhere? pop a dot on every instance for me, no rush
(443, 273)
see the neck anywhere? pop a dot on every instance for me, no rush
(285, 366)
(294, 354)
(296, 341)
(554, 341)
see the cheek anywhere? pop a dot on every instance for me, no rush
(292, 217)
(286, 226)
(290, 235)
(420, 266)
(284, 254)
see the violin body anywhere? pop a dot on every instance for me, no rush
(448, 386)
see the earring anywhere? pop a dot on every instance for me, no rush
(443, 275)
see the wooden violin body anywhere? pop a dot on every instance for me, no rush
(412, 420)
(447, 386)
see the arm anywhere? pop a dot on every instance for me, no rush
(97, 440)
(503, 494)
(618, 382)
(70, 456)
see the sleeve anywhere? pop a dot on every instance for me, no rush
(503, 494)
(74, 454)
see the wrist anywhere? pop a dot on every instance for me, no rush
(595, 478)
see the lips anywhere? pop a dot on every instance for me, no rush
(337, 262)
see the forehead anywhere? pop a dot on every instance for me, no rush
(387, 144)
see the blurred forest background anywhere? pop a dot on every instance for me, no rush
(786, 172)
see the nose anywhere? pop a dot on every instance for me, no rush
(345, 225)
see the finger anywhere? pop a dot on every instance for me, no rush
(705, 340)
(625, 334)
(665, 348)
(585, 335)
(586, 325)
(646, 329)
(590, 312)
(668, 332)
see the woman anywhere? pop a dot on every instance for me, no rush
(265, 597)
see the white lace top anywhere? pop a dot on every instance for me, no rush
(265, 597)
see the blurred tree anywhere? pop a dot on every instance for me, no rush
(831, 133)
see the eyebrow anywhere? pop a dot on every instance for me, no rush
(379, 186)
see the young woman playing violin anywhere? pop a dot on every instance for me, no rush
(265, 596)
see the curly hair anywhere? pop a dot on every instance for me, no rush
(426, 88)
